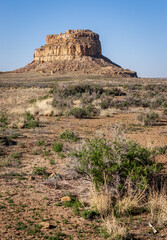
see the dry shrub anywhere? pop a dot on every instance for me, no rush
(114, 228)
(101, 200)
(157, 203)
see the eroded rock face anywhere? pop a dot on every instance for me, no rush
(73, 44)
(76, 52)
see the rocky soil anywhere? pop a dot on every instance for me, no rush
(34, 178)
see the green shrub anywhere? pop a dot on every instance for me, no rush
(69, 135)
(46, 153)
(43, 97)
(105, 103)
(75, 204)
(3, 120)
(41, 142)
(29, 121)
(40, 171)
(157, 102)
(16, 155)
(85, 112)
(148, 119)
(89, 214)
(57, 147)
(114, 163)
(78, 112)
(52, 161)
(33, 100)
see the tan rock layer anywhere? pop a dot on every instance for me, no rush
(68, 46)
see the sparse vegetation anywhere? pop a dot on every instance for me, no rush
(41, 142)
(3, 120)
(110, 189)
(69, 136)
(29, 121)
(57, 147)
(148, 119)
(40, 171)
(115, 229)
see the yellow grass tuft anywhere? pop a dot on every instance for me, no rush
(101, 201)
(114, 228)
(130, 202)
(157, 203)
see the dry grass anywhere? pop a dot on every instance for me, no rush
(101, 200)
(157, 203)
(114, 228)
(5, 162)
(131, 202)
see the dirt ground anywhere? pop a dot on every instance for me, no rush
(27, 198)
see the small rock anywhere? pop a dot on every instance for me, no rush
(45, 225)
(20, 124)
(66, 199)
(31, 178)
(51, 175)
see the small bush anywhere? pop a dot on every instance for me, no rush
(86, 112)
(3, 120)
(41, 142)
(29, 121)
(57, 147)
(46, 153)
(79, 112)
(33, 100)
(43, 97)
(52, 161)
(106, 102)
(16, 155)
(157, 102)
(148, 119)
(88, 98)
(40, 171)
(89, 214)
(121, 104)
(69, 136)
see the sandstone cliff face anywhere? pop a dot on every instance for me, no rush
(73, 44)
(77, 51)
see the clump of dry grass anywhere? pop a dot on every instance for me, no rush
(5, 162)
(114, 228)
(131, 202)
(157, 203)
(101, 200)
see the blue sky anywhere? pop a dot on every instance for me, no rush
(133, 33)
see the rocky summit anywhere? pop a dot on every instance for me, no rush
(77, 51)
